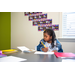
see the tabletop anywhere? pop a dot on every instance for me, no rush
(31, 57)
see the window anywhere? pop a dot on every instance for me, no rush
(68, 24)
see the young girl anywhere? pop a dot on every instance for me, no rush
(50, 41)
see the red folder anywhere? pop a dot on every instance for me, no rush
(70, 55)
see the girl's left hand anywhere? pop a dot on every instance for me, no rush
(54, 51)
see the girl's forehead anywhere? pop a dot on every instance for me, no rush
(46, 34)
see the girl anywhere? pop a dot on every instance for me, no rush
(50, 41)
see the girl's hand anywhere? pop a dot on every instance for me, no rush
(45, 49)
(54, 51)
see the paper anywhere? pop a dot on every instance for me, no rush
(12, 59)
(44, 53)
(23, 48)
(68, 60)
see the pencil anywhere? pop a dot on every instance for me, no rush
(43, 44)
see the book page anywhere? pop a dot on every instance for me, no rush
(23, 48)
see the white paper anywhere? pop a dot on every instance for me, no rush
(68, 60)
(44, 52)
(12, 59)
(23, 48)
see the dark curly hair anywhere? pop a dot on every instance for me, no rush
(51, 33)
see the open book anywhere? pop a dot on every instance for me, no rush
(25, 49)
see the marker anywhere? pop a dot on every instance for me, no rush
(43, 44)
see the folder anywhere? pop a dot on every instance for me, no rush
(2, 55)
(64, 55)
(8, 50)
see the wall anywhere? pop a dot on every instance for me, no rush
(68, 44)
(5, 30)
(23, 33)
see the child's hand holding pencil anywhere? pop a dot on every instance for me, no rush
(44, 49)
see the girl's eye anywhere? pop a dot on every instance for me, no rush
(46, 36)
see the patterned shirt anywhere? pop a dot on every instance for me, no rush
(50, 46)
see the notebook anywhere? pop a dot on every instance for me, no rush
(64, 55)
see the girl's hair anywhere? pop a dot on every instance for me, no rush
(51, 33)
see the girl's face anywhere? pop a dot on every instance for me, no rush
(47, 37)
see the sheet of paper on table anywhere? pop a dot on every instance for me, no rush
(68, 60)
(44, 52)
(12, 59)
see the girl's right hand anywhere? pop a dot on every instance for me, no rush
(45, 49)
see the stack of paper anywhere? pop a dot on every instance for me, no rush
(12, 59)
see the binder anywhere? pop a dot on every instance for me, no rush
(64, 55)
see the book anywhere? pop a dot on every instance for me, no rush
(25, 49)
(64, 55)
(9, 51)
(2, 55)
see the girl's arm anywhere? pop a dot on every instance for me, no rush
(55, 49)
(41, 48)
(59, 46)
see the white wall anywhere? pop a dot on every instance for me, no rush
(23, 33)
(68, 46)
